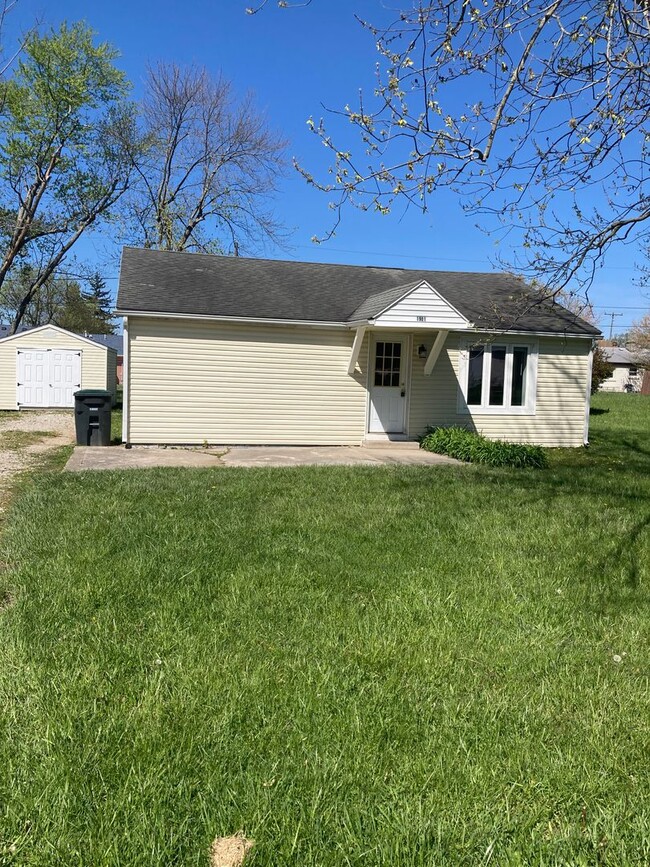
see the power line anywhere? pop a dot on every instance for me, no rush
(429, 258)
(618, 307)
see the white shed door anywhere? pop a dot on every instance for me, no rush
(48, 377)
(65, 376)
(33, 368)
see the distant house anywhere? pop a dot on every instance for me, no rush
(5, 329)
(627, 374)
(230, 350)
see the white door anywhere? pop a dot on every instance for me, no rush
(48, 377)
(33, 369)
(388, 387)
(65, 376)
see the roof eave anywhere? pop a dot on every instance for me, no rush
(252, 320)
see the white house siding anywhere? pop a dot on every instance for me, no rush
(421, 304)
(193, 381)
(561, 392)
(93, 360)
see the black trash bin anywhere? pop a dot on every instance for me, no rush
(92, 417)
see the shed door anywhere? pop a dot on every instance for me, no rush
(48, 377)
(388, 387)
(65, 376)
(33, 369)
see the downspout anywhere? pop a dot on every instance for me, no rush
(590, 367)
(125, 384)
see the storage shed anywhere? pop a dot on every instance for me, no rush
(43, 367)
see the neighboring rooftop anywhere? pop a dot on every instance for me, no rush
(113, 341)
(155, 281)
(5, 329)
(619, 355)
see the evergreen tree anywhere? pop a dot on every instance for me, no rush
(601, 369)
(101, 302)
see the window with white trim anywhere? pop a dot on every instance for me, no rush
(498, 377)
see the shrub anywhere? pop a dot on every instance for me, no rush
(601, 369)
(465, 445)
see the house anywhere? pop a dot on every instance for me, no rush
(5, 329)
(43, 367)
(627, 374)
(114, 341)
(229, 350)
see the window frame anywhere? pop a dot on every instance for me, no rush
(498, 342)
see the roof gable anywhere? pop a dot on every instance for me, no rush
(375, 304)
(26, 335)
(420, 306)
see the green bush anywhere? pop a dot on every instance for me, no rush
(465, 445)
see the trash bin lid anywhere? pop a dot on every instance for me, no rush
(92, 392)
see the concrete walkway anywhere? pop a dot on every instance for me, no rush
(119, 458)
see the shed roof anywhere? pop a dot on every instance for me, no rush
(26, 335)
(198, 284)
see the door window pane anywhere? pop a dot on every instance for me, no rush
(497, 375)
(387, 363)
(475, 376)
(519, 362)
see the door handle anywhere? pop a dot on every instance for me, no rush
(403, 392)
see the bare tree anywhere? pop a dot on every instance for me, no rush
(535, 112)
(638, 336)
(210, 170)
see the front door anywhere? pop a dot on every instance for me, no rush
(388, 387)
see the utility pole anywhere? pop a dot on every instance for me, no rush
(611, 322)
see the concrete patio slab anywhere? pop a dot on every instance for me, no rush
(120, 458)
(296, 456)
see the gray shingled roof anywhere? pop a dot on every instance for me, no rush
(155, 281)
(113, 341)
(619, 355)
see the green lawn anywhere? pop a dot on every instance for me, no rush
(364, 666)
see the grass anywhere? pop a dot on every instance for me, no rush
(19, 439)
(116, 426)
(378, 666)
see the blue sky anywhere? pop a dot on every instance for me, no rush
(298, 63)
